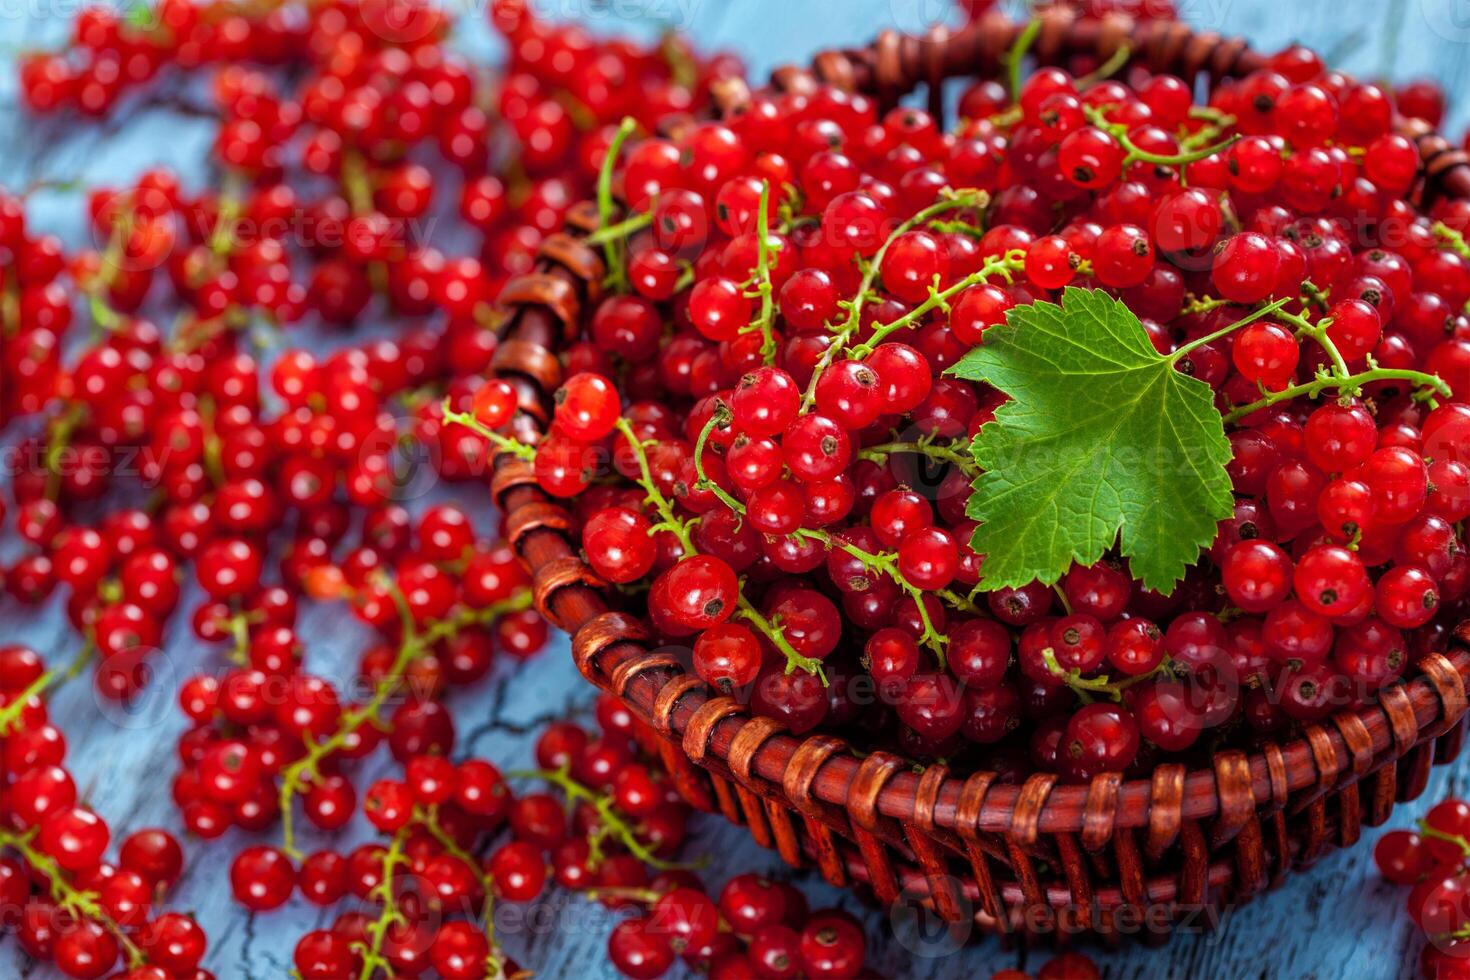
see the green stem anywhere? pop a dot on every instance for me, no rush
(1453, 239)
(618, 232)
(513, 446)
(80, 904)
(1095, 685)
(887, 564)
(1318, 332)
(57, 442)
(1219, 122)
(1136, 154)
(940, 452)
(1106, 70)
(763, 287)
(609, 819)
(949, 201)
(772, 632)
(668, 517)
(1427, 831)
(1012, 261)
(720, 415)
(1252, 317)
(1345, 385)
(371, 951)
(10, 715)
(1017, 54)
(612, 248)
(429, 819)
(415, 644)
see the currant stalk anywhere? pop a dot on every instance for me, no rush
(1115, 63)
(610, 822)
(371, 951)
(951, 452)
(10, 715)
(428, 818)
(885, 564)
(79, 903)
(1017, 55)
(513, 446)
(761, 285)
(1452, 239)
(612, 248)
(949, 200)
(1245, 321)
(1086, 687)
(1133, 153)
(1345, 385)
(298, 776)
(1003, 266)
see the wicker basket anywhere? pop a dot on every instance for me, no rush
(1037, 857)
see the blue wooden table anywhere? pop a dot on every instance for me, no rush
(1337, 920)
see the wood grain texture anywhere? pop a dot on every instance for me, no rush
(1337, 920)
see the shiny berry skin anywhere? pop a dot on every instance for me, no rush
(1134, 647)
(1245, 266)
(638, 950)
(262, 878)
(700, 592)
(1330, 580)
(75, 838)
(587, 407)
(1339, 437)
(1407, 597)
(912, 265)
(323, 955)
(831, 946)
(1400, 856)
(518, 870)
(1257, 575)
(765, 402)
(727, 656)
(618, 544)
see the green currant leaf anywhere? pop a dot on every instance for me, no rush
(1102, 439)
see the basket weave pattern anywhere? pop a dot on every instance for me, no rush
(1070, 856)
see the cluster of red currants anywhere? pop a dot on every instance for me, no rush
(65, 901)
(607, 828)
(791, 459)
(1433, 860)
(268, 730)
(165, 454)
(756, 928)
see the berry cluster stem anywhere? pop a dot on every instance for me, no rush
(428, 818)
(1017, 55)
(1137, 154)
(515, 447)
(949, 200)
(1012, 261)
(610, 822)
(951, 452)
(761, 284)
(10, 715)
(1258, 313)
(1086, 686)
(79, 903)
(1453, 239)
(669, 519)
(371, 951)
(296, 777)
(612, 247)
